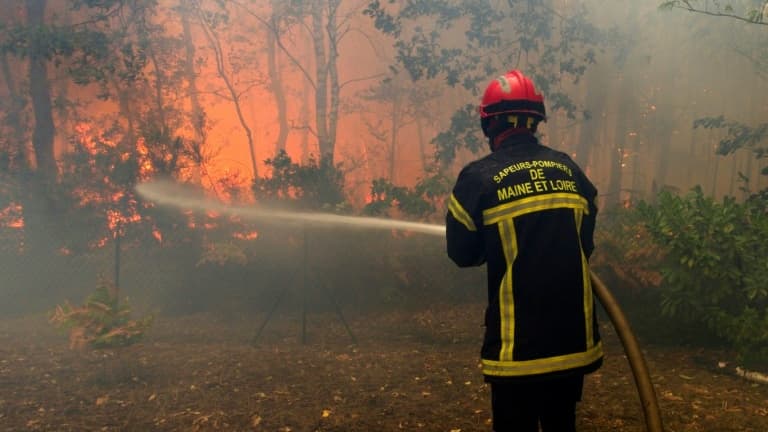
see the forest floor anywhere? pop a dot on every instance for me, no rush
(411, 371)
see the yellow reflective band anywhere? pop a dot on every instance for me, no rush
(460, 214)
(506, 295)
(541, 366)
(586, 282)
(533, 204)
(588, 302)
(579, 216)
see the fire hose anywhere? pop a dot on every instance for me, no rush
(172, 194)
(634, 355)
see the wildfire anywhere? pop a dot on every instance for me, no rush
(251, 235)
(12, 216)
(145, 162)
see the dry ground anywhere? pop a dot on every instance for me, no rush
(411, 371)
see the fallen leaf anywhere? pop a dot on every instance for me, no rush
(326, 413)
(671, 396)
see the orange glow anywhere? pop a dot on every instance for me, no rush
(12, 216)
(157, 235)
(145, 163)
(229, 173)
(115, 219)
(98, 244)
(86, 197)
(253, 235)
(84, 137)
(141, 147)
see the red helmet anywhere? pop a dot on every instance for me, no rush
(511, 93)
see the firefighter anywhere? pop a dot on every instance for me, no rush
(527, 212)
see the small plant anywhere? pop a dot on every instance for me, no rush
(101, 322)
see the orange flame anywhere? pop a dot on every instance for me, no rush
(252, 235)
(12, 216)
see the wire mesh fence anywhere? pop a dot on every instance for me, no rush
(325, 269)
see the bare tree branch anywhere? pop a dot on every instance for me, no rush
(279, 41)
(686, 5)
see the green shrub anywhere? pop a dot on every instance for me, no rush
(716, 265)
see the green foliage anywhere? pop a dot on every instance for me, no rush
(462, 133)
(420, 201)
(738, 136)
(550, 47)
(101, 322)
(715, 266)
(89, 53)
(316, 185)
(106, 44)
(96, 180)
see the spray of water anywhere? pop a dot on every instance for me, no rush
(172, 194)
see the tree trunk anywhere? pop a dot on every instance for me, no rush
(394, 129)
(40, 95)
(126, 110)
(198, 115)
(624, 114)
(41, 216)
(19, 154)
(321, 88)
(595, 104)
(305, 115)
(715, 159)
(276, 82)
(664, 148)
(422, 144)
(333, 74)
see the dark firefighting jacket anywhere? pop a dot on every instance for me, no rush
(528, 212)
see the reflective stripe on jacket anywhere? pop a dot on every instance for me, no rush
(528, 212)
